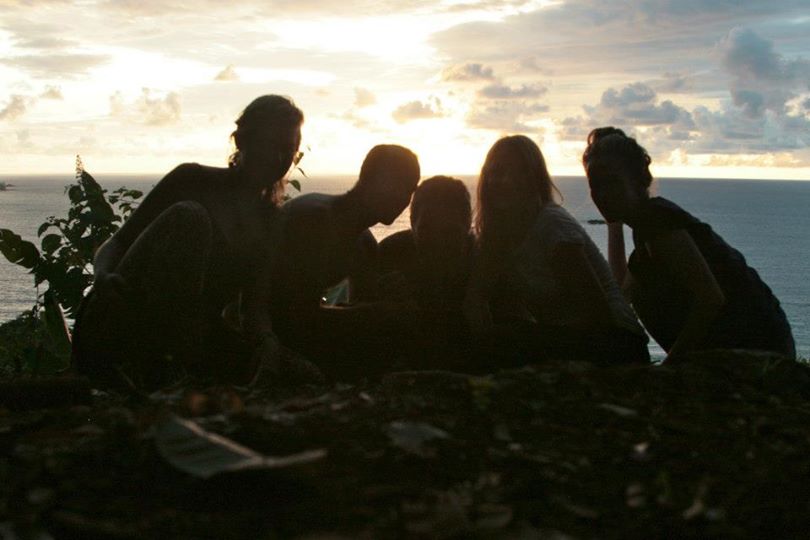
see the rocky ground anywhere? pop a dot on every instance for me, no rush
(718, 447)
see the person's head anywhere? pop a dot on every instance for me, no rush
(441, 216)
(267, 136)
(618, 171)
(388, 176)
(513, 186)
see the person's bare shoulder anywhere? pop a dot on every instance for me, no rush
(308, 212)
(191, 178)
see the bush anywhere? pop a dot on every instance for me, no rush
(65, 256)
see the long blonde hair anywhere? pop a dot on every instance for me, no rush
(520, 155)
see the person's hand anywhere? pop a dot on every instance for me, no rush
(112, 288)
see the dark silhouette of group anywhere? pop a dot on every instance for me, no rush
(214, 276)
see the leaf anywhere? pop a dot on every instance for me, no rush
(44, 227)
(75, 194)
(90, 185)
(296, 184)
(17, 250)
(190, 448)
(51, 243)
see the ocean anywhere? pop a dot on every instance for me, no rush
(767, 220)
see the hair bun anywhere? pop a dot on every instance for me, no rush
(598, 134)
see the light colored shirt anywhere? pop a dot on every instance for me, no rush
(545, 296)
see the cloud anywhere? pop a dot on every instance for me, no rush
(56, 65)
(627, 38)
(44, 43)
(637, 105)
(663, 126)
(363, 97)
(504, 115)
(673, 83)
(762, 79)
(417, 110)
(500, 91)
(15, 108)
(532, 65)
(24, 137)
(731, 131)
(468, 72)
(52, 92)
(634, 106)
(149, 108)
(227, 74)
(159, 111)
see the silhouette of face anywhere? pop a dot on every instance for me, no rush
(441, 234)
(614, 191)
(387, 195)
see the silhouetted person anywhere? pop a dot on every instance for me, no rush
(190, 249)
(430, 262)
(427, 268)
(327, 240)
(689, 287)
(540, 281)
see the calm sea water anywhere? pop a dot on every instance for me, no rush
(768, 221)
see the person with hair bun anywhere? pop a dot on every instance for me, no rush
(164, 279)
(690, 289)
(540, 284)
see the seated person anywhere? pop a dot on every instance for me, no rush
(540, 283)
(430, 261)
(191, 248)
(428, 265)
(326, 239)
(690, 288)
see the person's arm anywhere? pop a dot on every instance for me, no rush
(678, 253)
(105, 262)
(577, 278)
(616, 252)
(363, 278)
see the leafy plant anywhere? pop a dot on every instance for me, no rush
(294, 182)
(65, 255)
(27, 346)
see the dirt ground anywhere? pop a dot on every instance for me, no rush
(718, 447)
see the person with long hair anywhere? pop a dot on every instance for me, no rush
(195, 243)
(689, 287)
(539, 270)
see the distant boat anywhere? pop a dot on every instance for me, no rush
(4, 186)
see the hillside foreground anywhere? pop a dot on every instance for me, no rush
(718, 447)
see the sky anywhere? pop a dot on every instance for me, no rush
(712, 88)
